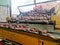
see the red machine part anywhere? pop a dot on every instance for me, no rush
(1, 43)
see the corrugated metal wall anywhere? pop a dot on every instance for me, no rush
(4, 10)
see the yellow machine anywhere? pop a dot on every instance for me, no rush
(25, 38)
(56, 18)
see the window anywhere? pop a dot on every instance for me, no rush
(37, 1)
(26, 8)
(16, 3)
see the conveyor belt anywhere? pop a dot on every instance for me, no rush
(32, 35)
(27, 38)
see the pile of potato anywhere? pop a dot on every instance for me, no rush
(20, 27)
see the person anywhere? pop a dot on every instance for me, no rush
(52, 11)
(8, 19)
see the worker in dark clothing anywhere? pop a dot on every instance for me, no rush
(51, 11)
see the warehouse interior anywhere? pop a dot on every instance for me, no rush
(29, 22)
